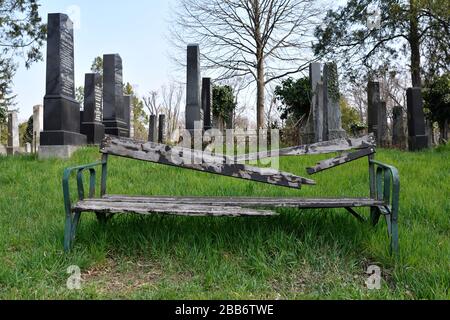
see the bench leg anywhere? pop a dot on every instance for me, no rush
(103, 218)
(72, 222)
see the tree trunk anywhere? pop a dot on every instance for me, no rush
(260, 93)
(414, 41)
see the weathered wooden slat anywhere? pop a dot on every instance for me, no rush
(246, 202)
(147, 208)
(339, 145)
(340, 160)
(189, 159)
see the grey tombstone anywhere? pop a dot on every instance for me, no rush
(153, 129)
(13, 134)
(398, 128)
(127, 112)
(383, 126)
(162, 129)
(92, 124)
(38, 126)
(207, 103)
(374, 107)
(113, 110)
(61, 110)
(194, 112)
(332, 109)
(417, 138)
(313, 131)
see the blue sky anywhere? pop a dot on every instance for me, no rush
(136, 29)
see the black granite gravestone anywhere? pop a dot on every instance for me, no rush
(113, 111)
(207, 103)
(162, 129)
(61, 110)
(418, 139)
(92, 125)
(194, 112)
(398, 128)
(153, 129)
(374, 107)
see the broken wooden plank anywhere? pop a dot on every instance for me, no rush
(148, 208)
(340, 160)
(194, 160)
(333, 146)
(247, 202)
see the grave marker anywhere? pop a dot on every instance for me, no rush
(92, 124)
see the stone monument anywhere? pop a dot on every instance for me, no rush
(13, 134)
(113, 110)
(153, 129)
(398, 128)
(194, 112)
(38, 126)
(92, 122)
(127, 112)
(207, 97)
(418, 139)
(61, 133)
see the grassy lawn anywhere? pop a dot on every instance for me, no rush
(317, 254)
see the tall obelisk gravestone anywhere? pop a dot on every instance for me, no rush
(314, 126)
(194, 112)
(127, 112)
(374, 107)
(92, 125)
(13, 134)
(113, 106)
(207, 97)
(61, 110)
(418, 139)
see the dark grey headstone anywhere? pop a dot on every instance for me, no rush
(418, 139)
(398, 128)
(162, 129)
(374, 106)
(207, 103)
(383, 126)
(153, 129)
(92, 124)
(61, 111)
(193, 88)
(113, 107)
(313, 130)
(332, 109)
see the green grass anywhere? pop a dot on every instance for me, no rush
(309, 254)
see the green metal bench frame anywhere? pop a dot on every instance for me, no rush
(384, 186)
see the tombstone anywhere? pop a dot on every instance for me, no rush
(207, 97)
(193, 89)
(374, 107)
(383, 126)
(417, 138)
(38, 126)
(92, 124)
(61, 110)
(398, 128)
(113, 105)
(153, 129)
(28, 148)
(313, 130)
(332, 128)
(13, 134)
(162, 129)
(127, 112)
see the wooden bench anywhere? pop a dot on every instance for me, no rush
(383, 196)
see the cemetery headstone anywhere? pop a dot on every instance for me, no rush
(374, 107)
(61, 110)
(332, 109)
(38, 126)
(193, 89)
(153, 129)
(92, 124)
(13, 134)
(398, 128)
(113, 106)
(162, 129)
(383, 125)
(417, 137)
(314, 126)
(207, 103)
(127, 112)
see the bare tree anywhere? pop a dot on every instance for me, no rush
(152, 104)
(172, 96)
(264, 39)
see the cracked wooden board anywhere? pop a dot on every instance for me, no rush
(195, 160)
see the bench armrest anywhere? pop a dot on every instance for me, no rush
(387, 189)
